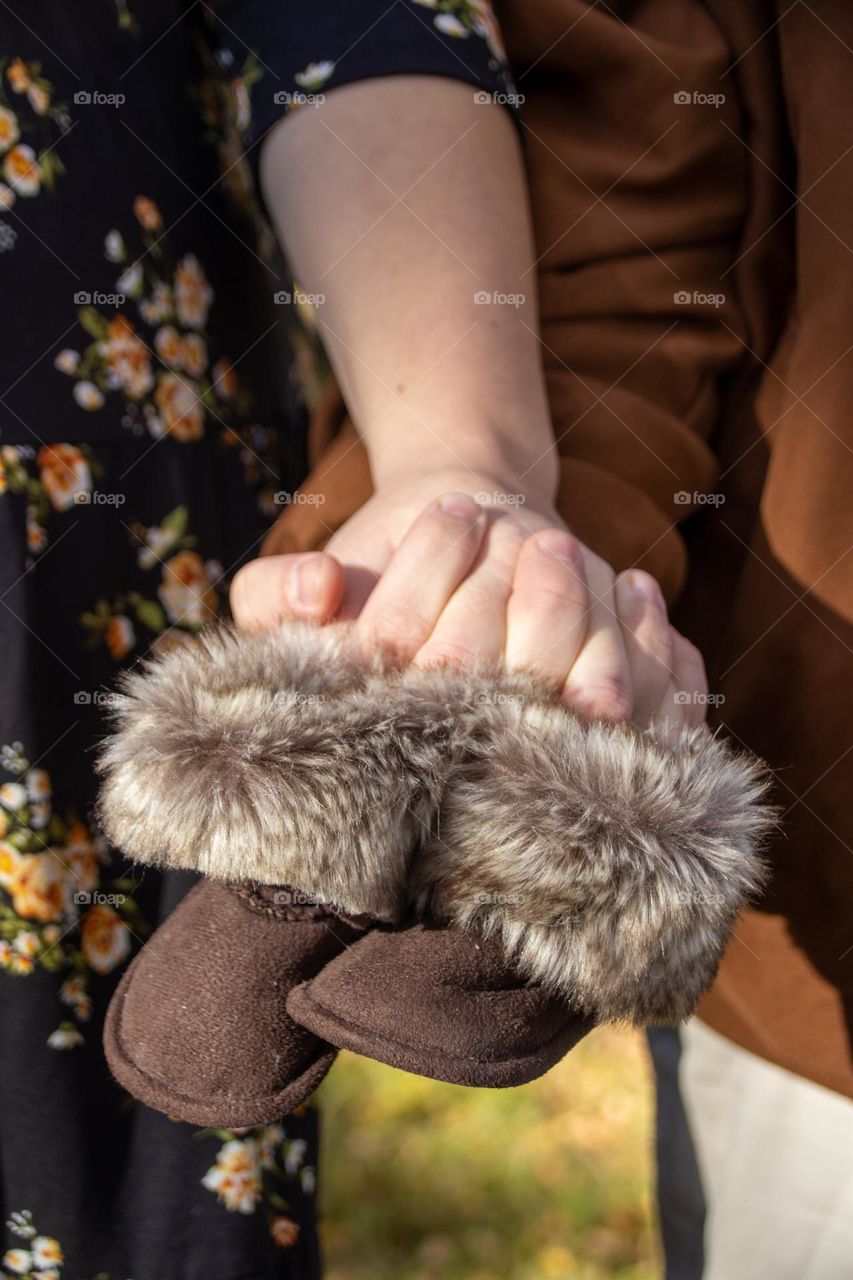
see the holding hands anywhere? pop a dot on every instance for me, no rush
(448, 570)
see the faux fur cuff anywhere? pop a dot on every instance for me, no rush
(612, 862)
(275, 758)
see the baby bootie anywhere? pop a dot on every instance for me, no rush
(198, 1027)
(559, 873)
(576, 873)
(261, 761)
(440, 1002)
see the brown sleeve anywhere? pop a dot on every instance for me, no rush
(637, 198)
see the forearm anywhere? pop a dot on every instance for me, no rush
(399, 201)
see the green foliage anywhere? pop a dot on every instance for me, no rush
(424, 1181)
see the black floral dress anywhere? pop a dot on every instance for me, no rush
(155, 373)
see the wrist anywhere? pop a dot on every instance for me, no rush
(490, 489)
(473, 462)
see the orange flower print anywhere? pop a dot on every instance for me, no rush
(19, 76)
(224, 379)
(147, 213)
(38, 884)
(186, 592)
(21, 171)
(236, 1176)
(65, 473)
(9, 130)
(127, 358)
(193, 355)
(193, 295)
(167, 343)
(104, 939)
(284, 1231)
(181, 412)
(119, 636)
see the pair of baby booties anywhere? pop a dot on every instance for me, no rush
(446, 870)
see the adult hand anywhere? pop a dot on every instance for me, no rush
(480, 572)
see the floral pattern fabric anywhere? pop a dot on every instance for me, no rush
(157, 370)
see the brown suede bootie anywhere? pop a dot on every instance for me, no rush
(583, 872)
(438, 1002)
(199, 1028)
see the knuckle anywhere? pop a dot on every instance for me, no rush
(449, 653)
(658, 640)
(610, 695)
(397, 628)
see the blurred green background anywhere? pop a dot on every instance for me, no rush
(423, 1181)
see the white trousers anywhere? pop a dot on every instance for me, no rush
(775, 1156)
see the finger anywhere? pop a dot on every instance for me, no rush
(691, 681)
(276, 588)
(434, 556)
(547, 612)
(599, 683)
(648, 639)
(472, 628)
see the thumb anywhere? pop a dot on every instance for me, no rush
(277, 588)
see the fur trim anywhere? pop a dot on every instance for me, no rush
(612, 862)
(275, 757)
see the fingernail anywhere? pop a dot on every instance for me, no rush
(459, 505)
(558, 545)
(647, 589)
(303, 580)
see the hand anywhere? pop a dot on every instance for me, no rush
(445, 578)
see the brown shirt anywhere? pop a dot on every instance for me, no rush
(691, 168)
